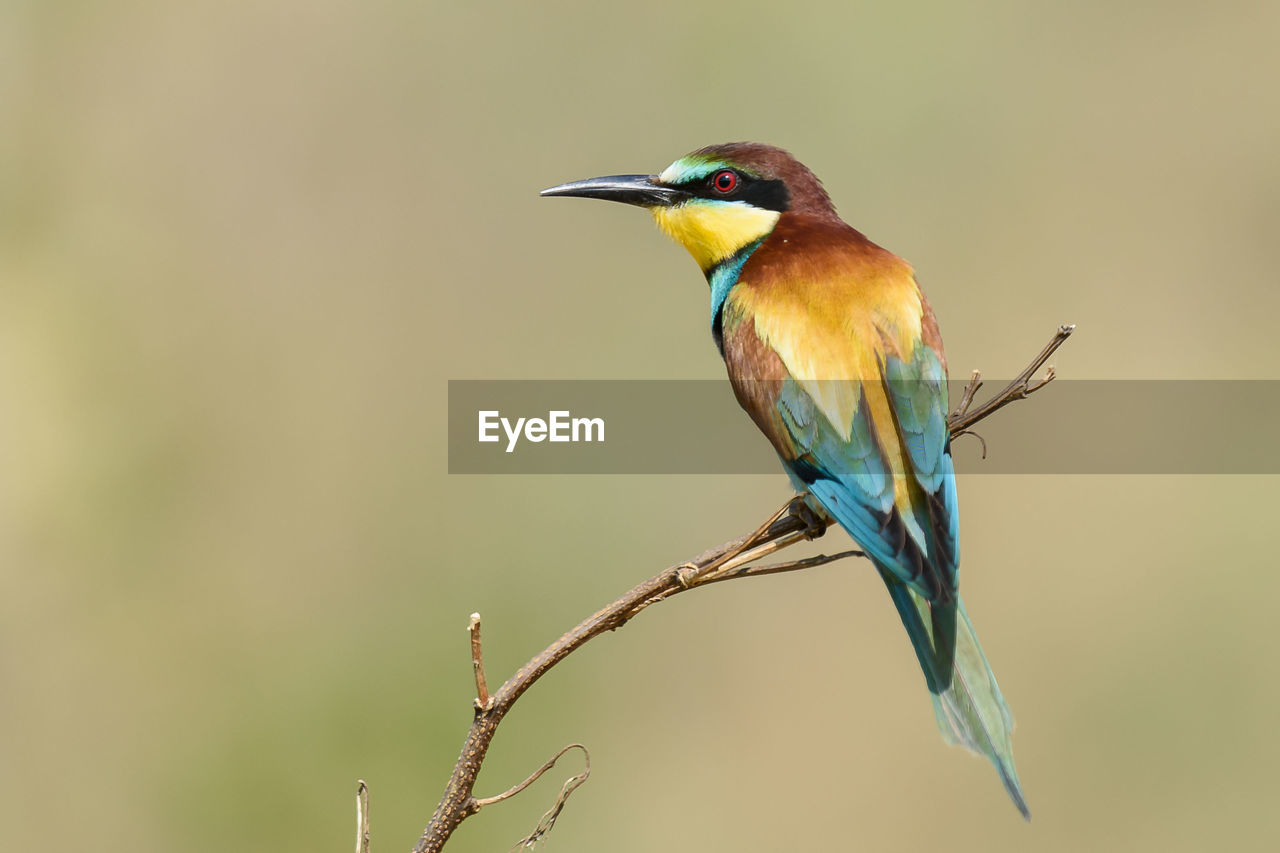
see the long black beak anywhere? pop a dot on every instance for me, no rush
(642, 190)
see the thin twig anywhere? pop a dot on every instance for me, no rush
(792, 523)
(1020, 388)
(483, 699)
(966, 399)
(548, 819)
(695, 571)
(481, 802)
(780, 568)
(362, 818)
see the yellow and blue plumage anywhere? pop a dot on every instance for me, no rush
(834, 352)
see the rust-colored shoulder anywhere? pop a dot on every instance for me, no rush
(756, 374)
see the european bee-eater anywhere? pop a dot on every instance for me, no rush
(835, 354)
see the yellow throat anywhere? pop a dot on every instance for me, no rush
(714, 230)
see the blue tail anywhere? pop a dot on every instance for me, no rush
(966, 698)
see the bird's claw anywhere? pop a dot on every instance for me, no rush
(815, 521)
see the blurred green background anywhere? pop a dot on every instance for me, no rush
(244, 245)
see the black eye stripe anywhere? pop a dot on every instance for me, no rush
(769, 195)
(765, 193)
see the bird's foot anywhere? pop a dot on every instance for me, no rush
(815, 521)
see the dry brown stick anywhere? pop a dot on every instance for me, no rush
(362, 818)
(535, 776)
(729, 561)
(966, 399)
(483, 699)
(1020, 387)
(548, 820)
(780, 568)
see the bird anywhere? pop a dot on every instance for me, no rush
(835, 354)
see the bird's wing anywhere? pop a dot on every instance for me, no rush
(855, 402)
(918, 391)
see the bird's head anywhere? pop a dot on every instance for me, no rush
(718, 200)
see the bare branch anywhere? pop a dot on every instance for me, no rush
(794, 522)
(788, 525)
(962, 419)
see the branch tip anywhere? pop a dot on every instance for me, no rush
(362, 818)
(483, 700)
(962, 418)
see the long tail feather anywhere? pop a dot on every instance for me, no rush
(966, 698)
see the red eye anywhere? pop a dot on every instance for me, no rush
(725, 180)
